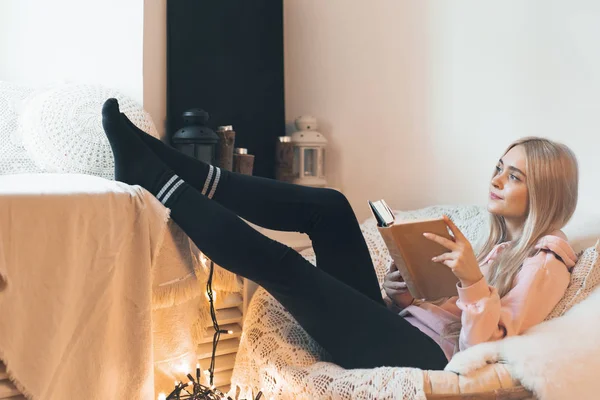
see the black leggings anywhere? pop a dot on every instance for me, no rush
(339, 302)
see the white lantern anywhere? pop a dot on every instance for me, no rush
(309, 153)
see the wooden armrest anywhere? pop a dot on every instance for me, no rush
(516, 393)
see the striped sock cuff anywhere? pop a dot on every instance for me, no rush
(207, 181)
(215, 183)
(166, 186)
(169, 188)
(210, 184)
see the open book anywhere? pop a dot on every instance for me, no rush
(412, 252)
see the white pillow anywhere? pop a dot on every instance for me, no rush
(62, 128)
(14, 158)
(584, 279)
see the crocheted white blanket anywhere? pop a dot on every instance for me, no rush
(278, 357)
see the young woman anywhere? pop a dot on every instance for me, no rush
(523, 269)
(339, 303)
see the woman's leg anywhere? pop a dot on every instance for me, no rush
(356, 331)
(323, 214)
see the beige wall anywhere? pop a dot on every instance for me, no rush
(419, 98)
(361, 69)
(155, 62)
(100, 42)
(88, 42)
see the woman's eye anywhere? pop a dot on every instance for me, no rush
(511, 176)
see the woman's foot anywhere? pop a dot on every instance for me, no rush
(203, 177)
(135, 163)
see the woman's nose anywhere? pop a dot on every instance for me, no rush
(496, 182)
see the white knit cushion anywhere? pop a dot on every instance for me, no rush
(13, 156)
(585, 277)
(62, 128)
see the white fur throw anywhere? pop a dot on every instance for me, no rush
(558, 359)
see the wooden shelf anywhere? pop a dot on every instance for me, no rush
(235, 328)
(222, 378)
(224, 347)
(227, 316)
(230, 301)
(222, 363)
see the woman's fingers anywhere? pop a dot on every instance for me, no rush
(400, 286)
(447, 243)
(455, 231)
(393, 276)
(443, 257)
(396, 275)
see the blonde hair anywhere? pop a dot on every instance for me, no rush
(552, 185)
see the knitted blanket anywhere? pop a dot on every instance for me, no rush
(278, 357)
(557, 359)
(100, 295)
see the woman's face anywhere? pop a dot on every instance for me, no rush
(509, 184)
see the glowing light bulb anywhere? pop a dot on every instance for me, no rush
(214, 295)
(230, 332)
(162, 396)
(182, 368)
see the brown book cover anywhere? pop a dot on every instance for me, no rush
(412, 253)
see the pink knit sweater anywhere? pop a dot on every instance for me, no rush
(485, 316)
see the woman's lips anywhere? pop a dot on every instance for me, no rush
(494, 197)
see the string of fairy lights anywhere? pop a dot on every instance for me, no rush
(193, 389)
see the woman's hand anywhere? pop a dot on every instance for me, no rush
(396, 289)
(461, 258)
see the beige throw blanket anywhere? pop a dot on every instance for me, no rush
(97, 290)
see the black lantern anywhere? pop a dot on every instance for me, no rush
(195, 139)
